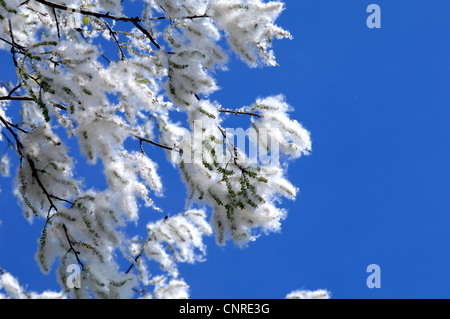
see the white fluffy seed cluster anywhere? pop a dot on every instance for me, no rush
(165, 63)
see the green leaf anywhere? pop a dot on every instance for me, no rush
(86, 20)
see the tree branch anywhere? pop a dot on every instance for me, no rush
(239, 112)
(84, 12)
(142, 139)
(192, 17)
(35, 175)
(135, 260)
(22, 50)
(57, 23)
(113, 34)
(13, 49)
(19, 144)
(76, 253)
(134, 20)
(15, 88)
(231, 111)
(16, 98)
(109, 16)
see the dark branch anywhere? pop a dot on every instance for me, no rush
(34, 173)
(109, 16)
(13, 46)
(141, 142)
(84, 12)
(57, 23)
(239, 112)
(136, 259)
(142, 139)
(16, 98)
(231, 111)
(16, 48)
(192, 17)
(15, 88)
(19, 144)
(113, 34)
(62, 199)
(10, 96)
(50, 197)
(134, 20)
(76, 253)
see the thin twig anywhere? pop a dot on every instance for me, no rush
(57, 23)
(143, 139)
(19, 144)
(76, 253)
(109, 16)
(134, 20)
(15, 88)
(136, 259)
(13, 46)
(19, 47)
(192, 17)
(50, 197)
(113, 34)
(239, 112)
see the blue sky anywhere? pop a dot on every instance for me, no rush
(375, 189)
